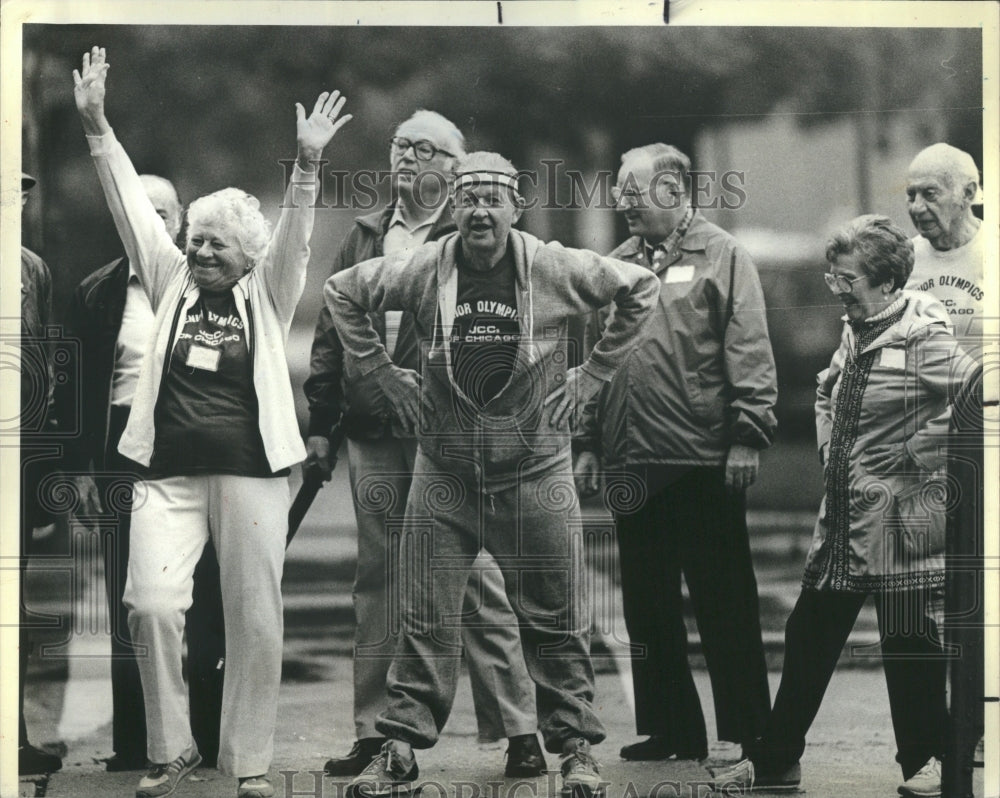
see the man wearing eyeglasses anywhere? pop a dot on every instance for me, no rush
(685, 416)
(381, 456)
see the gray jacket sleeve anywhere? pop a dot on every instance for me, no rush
(749, 360)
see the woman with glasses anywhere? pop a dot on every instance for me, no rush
(214, 422)
(882, 411)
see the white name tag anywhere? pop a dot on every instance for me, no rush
(200, 357)
(679, 274)
(893, 358)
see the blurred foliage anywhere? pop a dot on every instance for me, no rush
(213, 106)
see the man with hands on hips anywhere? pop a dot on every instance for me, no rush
(492, 408)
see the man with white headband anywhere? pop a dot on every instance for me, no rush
(422, 155)
(492, 409)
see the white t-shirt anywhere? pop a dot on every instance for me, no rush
(955, 278)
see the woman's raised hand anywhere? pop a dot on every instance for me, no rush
(316, 130)
(89, 89)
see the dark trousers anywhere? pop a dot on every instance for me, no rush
(205, 626)
(912, 656)
(964, 591)
(38, 461)
(693, 526)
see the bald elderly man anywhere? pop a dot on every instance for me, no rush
(942, 186)
(111, 316)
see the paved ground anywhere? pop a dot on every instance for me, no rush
(850, 751)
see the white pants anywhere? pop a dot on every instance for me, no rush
(247, 519)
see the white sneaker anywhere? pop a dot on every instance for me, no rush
(162, 779)
(925, 783)
(735, 778)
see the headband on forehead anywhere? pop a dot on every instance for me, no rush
(473, 179)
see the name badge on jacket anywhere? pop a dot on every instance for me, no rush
(679, 274)
(893, 358)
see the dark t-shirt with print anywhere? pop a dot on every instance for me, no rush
(486, 332)
(206, 417)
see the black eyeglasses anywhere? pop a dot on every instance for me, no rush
(424, 150)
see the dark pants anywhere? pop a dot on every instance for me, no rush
(205, 626)
(692, 526)
(914, 662)
(963, 603)
(38, 460)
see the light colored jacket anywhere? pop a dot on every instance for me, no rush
(265, 301)
(510, 438)
(895, 538)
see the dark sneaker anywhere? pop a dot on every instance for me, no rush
(658, 747)
(163, 779)
(120, 763)
(524, 757)
(779, 780)
(391, 773)
(32, 761)
(255, 787)
(925, 783)
(580, 771)
(357, 759)
(743, 777)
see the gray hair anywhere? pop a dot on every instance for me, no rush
(885, 251)
(238, 209)
(451, 131)
(159, 188)
(664, 158)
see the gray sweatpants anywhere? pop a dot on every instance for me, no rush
(534, 533)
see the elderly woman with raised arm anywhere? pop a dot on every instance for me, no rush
(213, 419)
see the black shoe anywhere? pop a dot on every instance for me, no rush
(390, 775)
(658, 747)
(357, 759)
(119, 763)
(524, 757)
(31, 761)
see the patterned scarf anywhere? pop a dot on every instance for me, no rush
(835, 568)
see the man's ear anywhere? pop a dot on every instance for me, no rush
(969, 192)
(519, 204)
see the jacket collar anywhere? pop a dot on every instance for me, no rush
(117, 271)
(377, 222)
(695, 240)
(922, 310)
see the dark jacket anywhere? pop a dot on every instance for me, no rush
(702, 378)
(36, 365)
(335, 386)
(95, 317)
